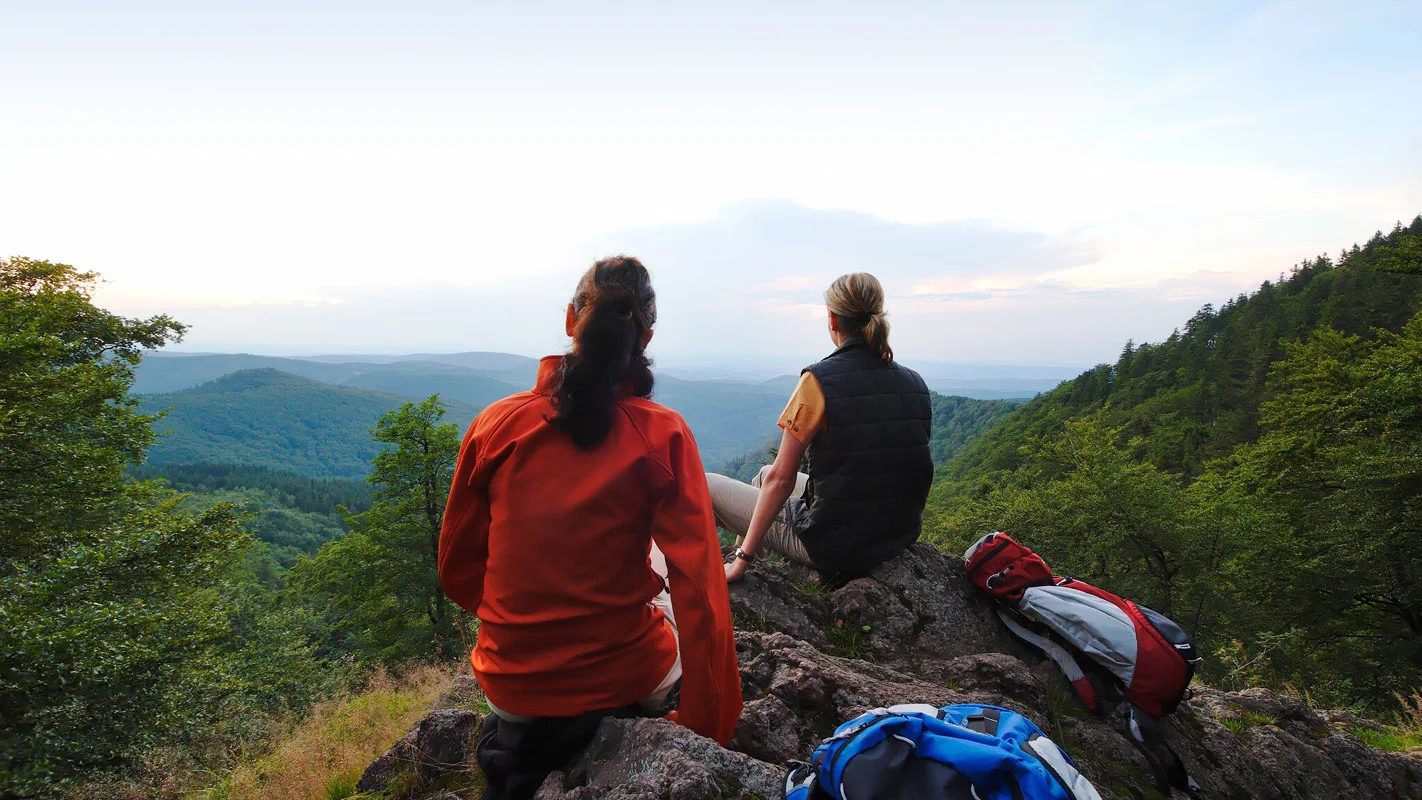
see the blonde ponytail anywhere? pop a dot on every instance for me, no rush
(857, 301)
(876, 332)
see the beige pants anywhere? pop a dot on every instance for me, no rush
(734, 503)
(653, 701)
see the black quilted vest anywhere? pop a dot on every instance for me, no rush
(870, 468)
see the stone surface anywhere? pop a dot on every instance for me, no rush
(796, 695)
(920, 609)
(441, 743)
(653, 758)
(921, 635)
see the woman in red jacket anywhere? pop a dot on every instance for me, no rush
(576, 509)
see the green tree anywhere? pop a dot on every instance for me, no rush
(380, 582)
(1093, 511)
(67, 425)
(1335, 481)
(1404, 256)
(109, 611)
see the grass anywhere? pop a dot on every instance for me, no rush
(1246, 719)
(1391, 741)
(323, 756)
(343, 785)
(847, 640)
(1404, 734)
(750, 620)
(813, 589)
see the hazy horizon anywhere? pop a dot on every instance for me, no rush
(1034, 185)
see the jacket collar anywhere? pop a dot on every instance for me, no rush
(550, 374)
(849, 344)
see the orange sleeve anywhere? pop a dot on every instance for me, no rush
(685, 530)
(464, 535)
(804, 415)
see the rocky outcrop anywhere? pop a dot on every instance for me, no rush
(440, 744)
(647, 759)
(914, 614)
(914, 631)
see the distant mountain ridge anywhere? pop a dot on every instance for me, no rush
(160, 373)
(314, 417)
(169, 371)
(268, 418)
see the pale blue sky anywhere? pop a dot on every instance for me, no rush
(1033, 183)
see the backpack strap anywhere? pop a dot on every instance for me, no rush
(1150, 739)
(1057, 653)
(984, 722)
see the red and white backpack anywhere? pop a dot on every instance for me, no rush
(1149, 656)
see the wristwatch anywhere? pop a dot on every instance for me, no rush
(744, 556)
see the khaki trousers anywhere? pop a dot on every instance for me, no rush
(734, 502)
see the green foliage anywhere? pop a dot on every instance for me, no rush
(100, 639)
(1390, 741)
(1243, 719)
(294, 515)
(846, 639)
(743, 468)
(273, 419)
(729, 418)
(288, 533)
(1403, 254)
(1095, 512)
(959, 420)
(342, 785)
(289, 489)
(118, 626)
(380, 583)
(1336, 481)
(1257, 478)
(67, 427)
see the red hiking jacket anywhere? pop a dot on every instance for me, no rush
(548, 545)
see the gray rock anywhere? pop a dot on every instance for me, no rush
(441, 743)
(797, 695)
(1276, 747)
(782, 599)
(911, 612)
(920, 634)
(652, 759)
(919, 608)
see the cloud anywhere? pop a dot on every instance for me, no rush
(775, 249)
(749, 285)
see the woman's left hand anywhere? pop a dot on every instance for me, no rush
(735, 570)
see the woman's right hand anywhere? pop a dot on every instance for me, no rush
(735, 570)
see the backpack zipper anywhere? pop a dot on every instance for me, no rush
(998, 549)
(834, 762)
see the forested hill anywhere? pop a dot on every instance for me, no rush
(1256, 476)
(1197, 395)
(491, 376)
(267, 418)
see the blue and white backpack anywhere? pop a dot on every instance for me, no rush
(960, 752)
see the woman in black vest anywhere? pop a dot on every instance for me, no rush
(864, 419)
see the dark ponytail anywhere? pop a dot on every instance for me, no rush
(615, 307)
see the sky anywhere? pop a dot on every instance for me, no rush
(1033, 183)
